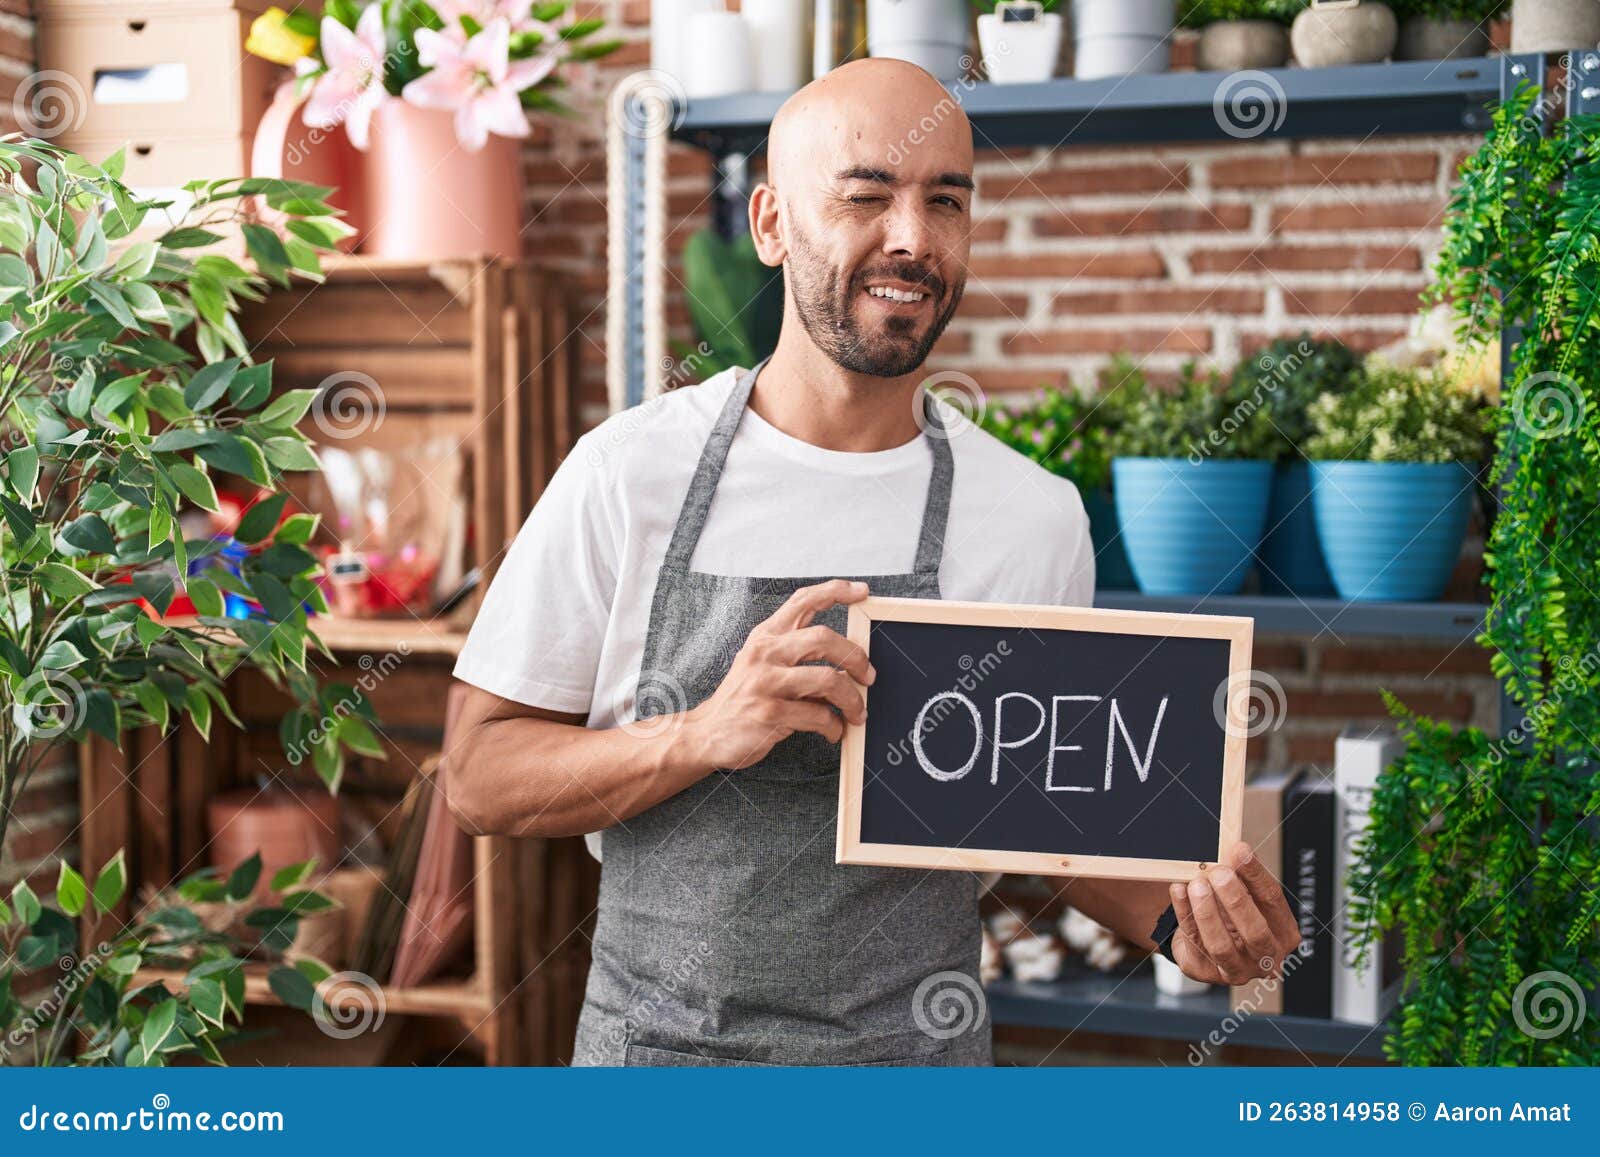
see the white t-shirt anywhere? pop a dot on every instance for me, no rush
(563, 625)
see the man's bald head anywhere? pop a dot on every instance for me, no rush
(878, 108)
(867, 206)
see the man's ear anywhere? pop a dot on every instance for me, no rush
(765, 229)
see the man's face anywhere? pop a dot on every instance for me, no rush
(877, 259)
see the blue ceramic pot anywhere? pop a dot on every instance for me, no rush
(1291, 554)
(1111, 569)
(1391, 530)
(1191, 528)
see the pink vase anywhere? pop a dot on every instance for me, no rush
(285, 147)
(429, 198)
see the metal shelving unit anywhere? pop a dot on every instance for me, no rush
(1356, 101)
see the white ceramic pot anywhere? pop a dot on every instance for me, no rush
(718, 58)
(1554, 25)
(929, 33)
(1171, 980)
(778, 28)
(1341, 32)
(1015, 52)
(1120, 37)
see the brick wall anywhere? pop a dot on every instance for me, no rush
(46, 815)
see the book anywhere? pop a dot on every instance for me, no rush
(1262, 830)
(1308, 864)
(1360, 755)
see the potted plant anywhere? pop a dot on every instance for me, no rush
(126, 392)
(1191, 481)
(436, 95)
(735, 301)
(1287, 376)
(1119, 37)
(1020, 40)
(1331, 32)
(1554, 25)
(932, 34)
(1070, 435)
(1393, 472)
(1444, 29)
(1240, 34)
(1472, 840)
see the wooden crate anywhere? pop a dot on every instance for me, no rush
(476, 349)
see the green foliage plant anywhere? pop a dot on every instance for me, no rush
(1065, 432)
(735, 301)
(1289, 374)
(1203, 417)
(1199, 13)
(1399, 415)
(1485, 851)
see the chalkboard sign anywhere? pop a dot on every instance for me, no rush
(1048, 740)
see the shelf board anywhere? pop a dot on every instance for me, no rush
(365, 636)
(457, 998)
(1336, 618)
(1357, 100)
(1127, 1004)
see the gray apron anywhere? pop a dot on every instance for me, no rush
(726, 933)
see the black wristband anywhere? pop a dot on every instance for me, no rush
(1166, 928)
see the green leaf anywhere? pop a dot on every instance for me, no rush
(89, 534)
(60, 656)
(110, 299)
(260, 520)
(306, 903)
(292, 987)
(153, 701)
(188, 238)
(25, 902)
(358, 737)
(209, 1001)
(172, 441)
(159, 1027)
(136, 261)
(291, 454)
(71, 892)
(205, 596)
(199, 707)
(62, 581)
(293, 875)
(288, 408)
(242, 880)
(81, 393)
(111, 883)
(209, 383)
(297, 529)
(22, 471)
(196, 486)
(124, 963)
(251, 386)
(117, 394)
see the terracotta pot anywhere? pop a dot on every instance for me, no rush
(1344, 33)
(286, 827)
(1424, 38)
(428, 198)
(1554, 25)
(1236, 45)
(285, 147)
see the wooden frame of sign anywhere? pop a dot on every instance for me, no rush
(1238, 632)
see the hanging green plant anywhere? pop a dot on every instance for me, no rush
(1484, 850)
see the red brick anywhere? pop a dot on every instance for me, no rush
(1313, 749)
(1183, 340)
(1149, 219)
(1356, 167)
(636, 52)
(1282, 258)
(980, 303)
(1138, 263)
(1278, 656)
(1427, 662)
(953, 343)
(1360, 340)
(1133, 177)
(1160, 299)
(1359, 215)
(1375, 299)
(1343, 704)
(999, 381)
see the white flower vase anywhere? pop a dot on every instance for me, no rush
(1121, 37)
(1017, 52)
(929, 33)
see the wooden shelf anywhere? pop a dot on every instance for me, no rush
(418, 636)
(455, 998)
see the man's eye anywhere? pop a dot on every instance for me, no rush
(865, 199)
(948, 202)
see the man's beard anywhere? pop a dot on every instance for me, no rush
(826, 305)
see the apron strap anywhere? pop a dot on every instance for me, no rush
(708, 472)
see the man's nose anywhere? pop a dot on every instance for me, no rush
(907, 233)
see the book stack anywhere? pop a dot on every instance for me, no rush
(1306, 827)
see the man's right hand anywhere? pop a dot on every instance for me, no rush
(777, 686)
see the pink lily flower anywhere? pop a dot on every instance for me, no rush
(478, 81)
(351, 85)
(516, 13)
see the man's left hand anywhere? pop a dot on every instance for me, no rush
(1234, 924)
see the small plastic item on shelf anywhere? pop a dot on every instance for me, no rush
(1028, 955)
(1101, 947)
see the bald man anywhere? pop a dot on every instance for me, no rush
(660, 658)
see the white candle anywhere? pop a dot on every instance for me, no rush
(778, 30)
(669, 21)
(717, 56)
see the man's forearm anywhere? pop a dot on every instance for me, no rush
(1130, 908)
(515, 775)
